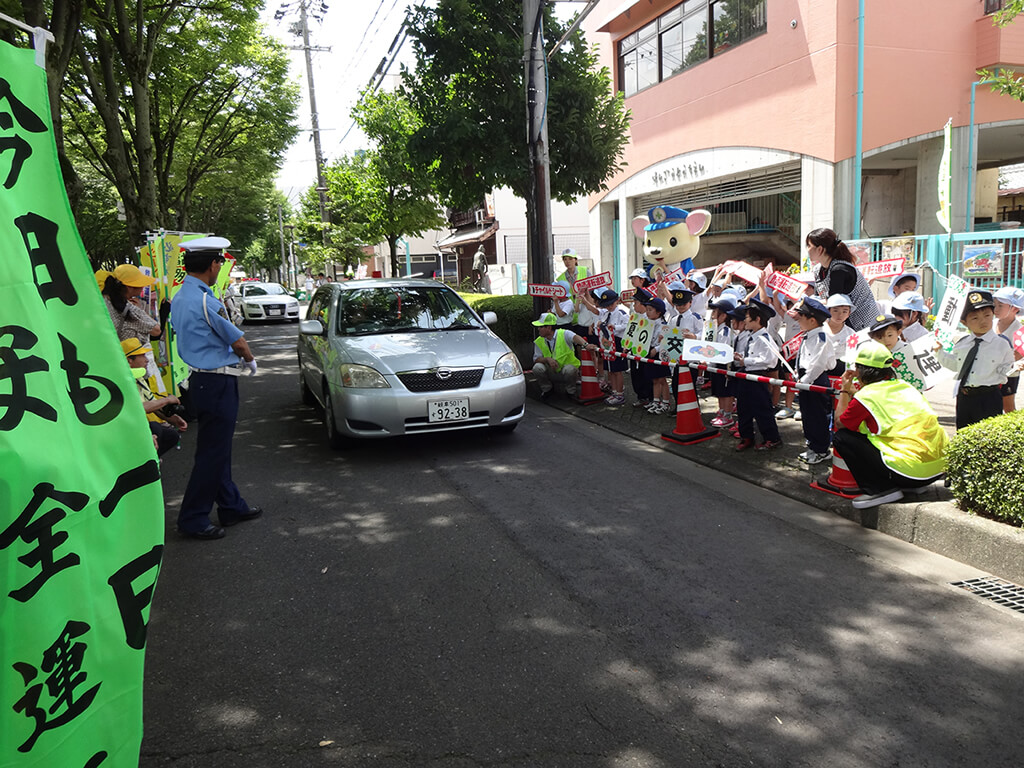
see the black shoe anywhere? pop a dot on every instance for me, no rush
(252, 514)
(208, 533)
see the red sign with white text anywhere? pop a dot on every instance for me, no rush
(590, 283)
(782, 283)
(887, 268)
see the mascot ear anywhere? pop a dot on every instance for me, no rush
(638, 226)
(698, 222)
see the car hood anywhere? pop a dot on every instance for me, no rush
(279, 299)
(398, 352)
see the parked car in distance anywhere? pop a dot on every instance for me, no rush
(267, 301)
(405, 356)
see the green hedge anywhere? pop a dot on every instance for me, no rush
(986, 468)
(515, 313)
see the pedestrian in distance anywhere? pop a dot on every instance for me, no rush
(982, 360)
(217, 353)
(889, 436)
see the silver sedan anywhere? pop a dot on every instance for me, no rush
(396, 357)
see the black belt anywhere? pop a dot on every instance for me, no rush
(968, 391)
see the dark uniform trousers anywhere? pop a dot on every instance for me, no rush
(976, 403)
(865, 463)
(816, 416)
(754, 403)
(213, 401)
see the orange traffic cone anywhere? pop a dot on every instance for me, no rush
(840, 481)
(590, 391)
(689, 427)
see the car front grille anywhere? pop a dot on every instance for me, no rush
(275, 308)
(435, 380)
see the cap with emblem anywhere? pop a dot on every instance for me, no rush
(682, 296)
(609, 298)
(569, 253)
(977, 300)
(664, 216)
(884, 321)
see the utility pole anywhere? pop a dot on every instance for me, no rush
(538, 202)
(321, 184)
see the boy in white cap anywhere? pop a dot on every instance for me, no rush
(1009, 302)
(697, 283)
(839, 307)
(911, 308)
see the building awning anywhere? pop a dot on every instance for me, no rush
(467, 237)
(616, 12)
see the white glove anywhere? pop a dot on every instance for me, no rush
(251, 365)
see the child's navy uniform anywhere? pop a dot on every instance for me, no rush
(754, 398)
(814, 361)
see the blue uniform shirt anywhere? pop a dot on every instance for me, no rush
(201, 344)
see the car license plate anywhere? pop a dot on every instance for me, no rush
(273, 311)
(448, 410)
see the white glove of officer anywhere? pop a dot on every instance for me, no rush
(251, 365)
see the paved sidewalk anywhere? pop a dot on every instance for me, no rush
(931, 521)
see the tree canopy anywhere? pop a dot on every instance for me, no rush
(183, 109)
(1006, 81)
(467, 90)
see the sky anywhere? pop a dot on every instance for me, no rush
(359, 33)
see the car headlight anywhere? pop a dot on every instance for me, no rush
(507, 367)
(362, 377)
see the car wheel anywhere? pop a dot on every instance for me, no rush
(334, 438)
(308, 398)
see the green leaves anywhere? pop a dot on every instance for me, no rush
(984, 467)
(467, 89)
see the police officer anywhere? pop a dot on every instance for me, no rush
(217, 354)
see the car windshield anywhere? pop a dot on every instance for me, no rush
(265, 289)
(403, 309)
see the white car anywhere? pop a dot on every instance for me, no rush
(267, 301)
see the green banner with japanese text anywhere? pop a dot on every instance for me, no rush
(81, 507)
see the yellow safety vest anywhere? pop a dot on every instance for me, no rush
(565, 353)
(909, 437)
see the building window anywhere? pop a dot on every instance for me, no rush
(686, 35)
(992, 6)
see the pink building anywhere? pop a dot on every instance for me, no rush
(749, 108)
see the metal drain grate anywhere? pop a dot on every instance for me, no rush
(1004, 593)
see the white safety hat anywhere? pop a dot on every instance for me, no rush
(639, 272)
(839, 300)
(910, 301)
(902, 276)
(698, 278)
(1010, 295)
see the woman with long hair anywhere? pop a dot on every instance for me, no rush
(121, 292)
(835, 272)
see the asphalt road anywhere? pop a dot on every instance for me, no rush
(561, 596)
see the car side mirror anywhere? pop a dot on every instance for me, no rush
(490, 318)
(312, 328)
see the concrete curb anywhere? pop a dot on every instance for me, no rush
(930, 521)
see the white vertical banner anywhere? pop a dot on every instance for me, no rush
(945, 178)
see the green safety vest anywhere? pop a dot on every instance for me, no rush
(565, 353)
(581, 272)
(910, 439)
